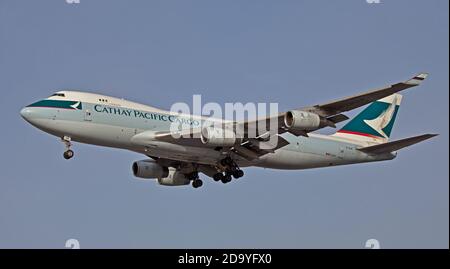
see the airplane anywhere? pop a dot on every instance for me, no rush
(218, 152)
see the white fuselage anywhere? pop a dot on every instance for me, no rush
(112, 122)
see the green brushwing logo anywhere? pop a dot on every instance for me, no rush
(380, 123)
(75, 105)
(376, 120)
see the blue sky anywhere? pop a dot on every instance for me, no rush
(296, 53)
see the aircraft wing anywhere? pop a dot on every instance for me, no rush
(331, 112)
(355, 101)
(249, 149)
(260, 141)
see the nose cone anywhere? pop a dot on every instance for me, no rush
(26, 113)
(31, 115)
(38, 117)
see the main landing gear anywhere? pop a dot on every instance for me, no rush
(196, 181)
(231, 170)
(68, 154)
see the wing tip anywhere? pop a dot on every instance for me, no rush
(416, 80)
(426, 136)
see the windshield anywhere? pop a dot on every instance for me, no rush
(58, 94)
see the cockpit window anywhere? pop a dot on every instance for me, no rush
(59, 94)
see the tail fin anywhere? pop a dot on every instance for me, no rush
(374, 123)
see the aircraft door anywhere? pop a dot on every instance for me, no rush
(87, 115)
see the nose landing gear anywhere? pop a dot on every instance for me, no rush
(68, 154)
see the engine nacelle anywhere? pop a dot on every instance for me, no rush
(149, 169)
(175, 178)
(301, 120)
(218, 137)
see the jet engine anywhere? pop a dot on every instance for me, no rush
(218, 137)
(302, 120)
(149, 169)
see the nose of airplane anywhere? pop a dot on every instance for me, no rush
(26, 113)
(36, 117)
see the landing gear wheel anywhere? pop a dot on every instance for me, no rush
(218, 177)
(197, 183)
(226, 178)
(68, 154)
(238, 173)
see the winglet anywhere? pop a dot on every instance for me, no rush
(417, 79)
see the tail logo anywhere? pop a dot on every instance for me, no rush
(379, 123)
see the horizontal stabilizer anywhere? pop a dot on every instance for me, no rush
(396, 145)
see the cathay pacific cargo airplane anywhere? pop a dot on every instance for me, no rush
(176, 157)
